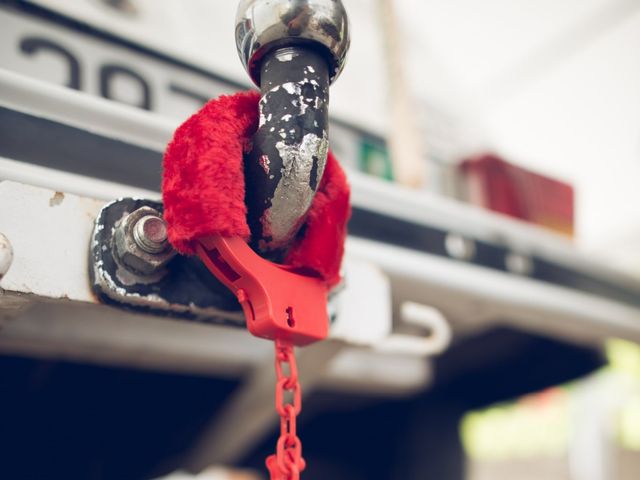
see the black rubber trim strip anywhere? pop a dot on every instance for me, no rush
(395, 231)
(47, 143)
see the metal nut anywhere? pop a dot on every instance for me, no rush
(140, 242)
(264, 25)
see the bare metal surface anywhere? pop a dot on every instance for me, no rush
(293, 195)
(129, 251)
(150, 234)
(262, 25)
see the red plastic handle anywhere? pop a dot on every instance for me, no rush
(277, 301)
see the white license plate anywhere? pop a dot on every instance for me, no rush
(49, 51)
(101, 64)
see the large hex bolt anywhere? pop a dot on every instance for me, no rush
(140, 243)
(293, 50)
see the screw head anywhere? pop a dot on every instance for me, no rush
(459, 247)
(518, 263)
(150, 234)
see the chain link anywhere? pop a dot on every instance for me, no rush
(287, 462)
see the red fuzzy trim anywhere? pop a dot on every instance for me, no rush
(203, 188)
(203, 179)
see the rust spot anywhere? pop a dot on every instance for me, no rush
(264, 163)
(56, 200)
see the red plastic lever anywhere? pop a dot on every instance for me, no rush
(277, 301)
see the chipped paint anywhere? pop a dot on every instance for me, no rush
(56, 199)
(264, 163)
(291, 88)
(293, 195)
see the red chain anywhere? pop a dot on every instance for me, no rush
(287, 462)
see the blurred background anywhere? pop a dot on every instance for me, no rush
(528, 108)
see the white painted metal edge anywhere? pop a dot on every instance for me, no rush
(68, 182)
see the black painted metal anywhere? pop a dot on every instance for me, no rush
(294, 104)
(52, 144)
(188, 290)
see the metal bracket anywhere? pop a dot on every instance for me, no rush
(184, 289)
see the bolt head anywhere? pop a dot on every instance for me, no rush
(140, 244)
(459, 247)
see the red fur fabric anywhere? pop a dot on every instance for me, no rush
(203, 180)
(203, 188)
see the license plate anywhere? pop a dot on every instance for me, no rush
(59, 50)
(49, 51)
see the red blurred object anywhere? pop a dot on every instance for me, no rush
(498, 185)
